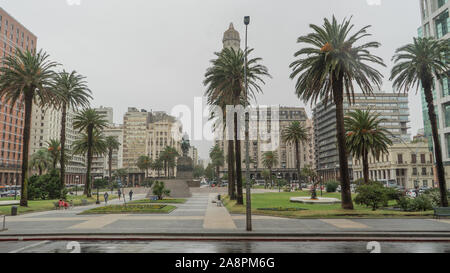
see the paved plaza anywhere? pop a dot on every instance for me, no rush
(200, 215)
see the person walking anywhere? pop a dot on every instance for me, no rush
(131, 195)
(119, 193)
(106, 195)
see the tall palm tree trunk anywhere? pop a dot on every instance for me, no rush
(26, 143)
(338, 87)
(63, 147)
(231, 171)
(365, 159)
(436, 143)
(110, 154)
(239, 195)
(87, 188)
(297, 155)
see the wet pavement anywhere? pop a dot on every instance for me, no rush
(220, 247)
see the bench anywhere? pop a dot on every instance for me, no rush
(439, 212)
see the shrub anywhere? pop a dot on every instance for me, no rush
(331, 186)
(160, 190)
(45, 186)
(420, 203)
(372, 195)
(393, 194)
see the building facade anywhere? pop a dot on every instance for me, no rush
(147, 133)
(392, 107)
(436, 23)
(286, 167)
(45, 126)
(100, 164)
(408, 164)
(107, 113)
(12, 35)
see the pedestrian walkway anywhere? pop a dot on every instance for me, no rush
(217, 217)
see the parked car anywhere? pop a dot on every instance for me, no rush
(411, 193)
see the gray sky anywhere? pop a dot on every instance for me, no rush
(153, 54)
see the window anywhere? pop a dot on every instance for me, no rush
(413, 158)
(446, 109)
(422, 158)
(442, 23)
(400, 158)
(414, 171)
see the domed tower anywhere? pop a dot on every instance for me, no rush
(231, 38)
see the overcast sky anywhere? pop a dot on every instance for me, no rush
(153, 54)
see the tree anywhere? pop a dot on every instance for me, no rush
(168, 156)
(144, 163)
(209, 172)
(217, 159)
(112, 144)
(199, 171)
(328, 70)
(417, 64)
(121, 174)
(91, 123)
(26, 77)
(160, 190)
(269, 160)
(73, 93)
(295, 134)
(40, 160)
(266, 175)
(54, 149)
(225, 83)
(365, 135)
(158, 166)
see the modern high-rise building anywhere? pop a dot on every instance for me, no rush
(392, 107)
(12, 35)
(436, 23)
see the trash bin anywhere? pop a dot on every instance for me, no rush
(13, 210)
(218, 197)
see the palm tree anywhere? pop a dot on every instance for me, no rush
(40, 160)
(157, 166)
(417, 64)
(111, 144)
(168, 156)
(295, 134)
(91, 123)
(54, 148)
(269, 160)
(217, 159)
(25, 77)
(365, 135)
(266, 175)
(328, 70)
(144, 163)
(225, 83)
(73, 93)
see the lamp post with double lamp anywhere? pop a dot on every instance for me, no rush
(247, 155)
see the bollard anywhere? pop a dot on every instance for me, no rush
(13, 210)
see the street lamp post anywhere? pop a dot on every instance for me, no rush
(247, 121)
(15, 190)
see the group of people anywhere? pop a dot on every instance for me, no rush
(63, 204)
(130, 193)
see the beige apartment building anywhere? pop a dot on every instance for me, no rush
(100, 167)
(45, 126)
(147, 133)
(408, 164)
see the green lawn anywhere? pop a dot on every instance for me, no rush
(164, 201)
(43, 205)
(131, 208)
(281, 200)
